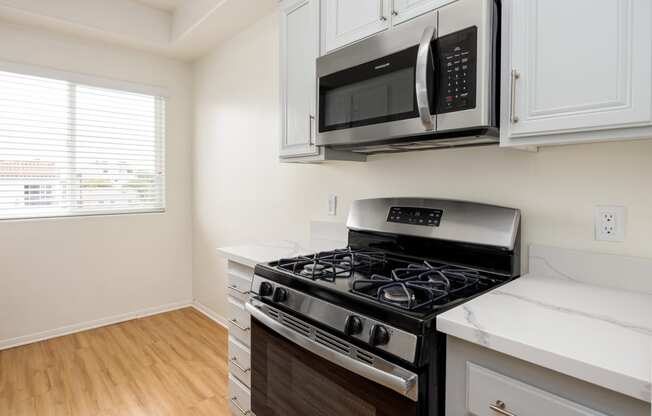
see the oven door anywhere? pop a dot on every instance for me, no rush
(299, 370)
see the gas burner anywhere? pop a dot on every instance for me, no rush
(313, 269)
(398, 294)
(419, 285)
(350, 260)
(330, 265)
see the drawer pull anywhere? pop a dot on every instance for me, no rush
(237, 289)
(501, 408)
(234, 361)
(237, 325)
(234, 401)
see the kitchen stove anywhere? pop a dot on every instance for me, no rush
(404, 284)
(370, 308)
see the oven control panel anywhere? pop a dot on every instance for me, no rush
(415, 216)
(457, 69)
(395, 341)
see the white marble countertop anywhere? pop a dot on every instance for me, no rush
(559, 318)
(323, 236)
(263, 252)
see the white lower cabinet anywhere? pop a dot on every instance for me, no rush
(491, 394)
(483, 382)
(238, 286)
(239, 323)
(240, 401)
(240, 361)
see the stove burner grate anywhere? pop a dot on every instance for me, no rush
(418, 285)
(331, 265)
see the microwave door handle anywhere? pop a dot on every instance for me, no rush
(423, 101)
(404, 383)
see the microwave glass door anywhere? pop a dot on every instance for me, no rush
(375, 92)
(288, 380)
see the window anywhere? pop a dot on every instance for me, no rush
(72, 148)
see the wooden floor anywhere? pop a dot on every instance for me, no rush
(169, 364)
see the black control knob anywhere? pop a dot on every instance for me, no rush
(265, 289)
(353, 325)
(280, 295)
(379, 336)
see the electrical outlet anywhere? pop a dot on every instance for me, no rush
(332, 205)
(609, 223)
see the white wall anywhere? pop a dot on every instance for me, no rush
(242, 192)
(56, 273)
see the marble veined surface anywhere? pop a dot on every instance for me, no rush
(585, 315)
(323, 236)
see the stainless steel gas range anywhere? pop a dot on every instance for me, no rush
(352, 332)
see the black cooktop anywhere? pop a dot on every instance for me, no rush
(405, 291)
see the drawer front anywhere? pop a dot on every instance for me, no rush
(493, 394)
(240, 361)
(239, 398)
(241, 270)
(239, 321)
(239, 287)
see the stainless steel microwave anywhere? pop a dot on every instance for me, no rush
(431, 82)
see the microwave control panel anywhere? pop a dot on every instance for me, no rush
(456, 70)
(415, 216)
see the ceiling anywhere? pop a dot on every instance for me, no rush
(182, 29)
(167, 5)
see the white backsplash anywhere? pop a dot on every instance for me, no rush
(325, 235)
(606, 270)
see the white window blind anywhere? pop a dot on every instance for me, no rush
(73, 149)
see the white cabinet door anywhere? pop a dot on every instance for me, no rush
(299, 45)
(347, 21)
(492, 394)
(403, 10)
(578, 66)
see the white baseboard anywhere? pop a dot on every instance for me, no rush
(210, 313)
(84, 326)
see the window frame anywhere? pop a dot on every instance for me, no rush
(161, 96)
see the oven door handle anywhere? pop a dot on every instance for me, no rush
(423, 99)
(396, 378)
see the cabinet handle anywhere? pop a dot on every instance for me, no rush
(237, 325)
(234, 361)
(381, 11)
(236, 289)
(501, 408)
(310, 120)
(234, 401)
(512, 109)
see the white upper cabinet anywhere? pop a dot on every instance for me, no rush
(576, 71)
(298, 50)
(403, 10)
(347, 21)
